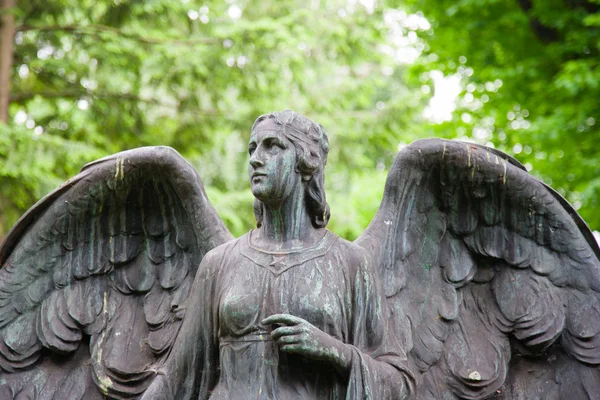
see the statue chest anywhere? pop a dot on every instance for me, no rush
(315, 290)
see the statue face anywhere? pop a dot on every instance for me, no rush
(272, 164)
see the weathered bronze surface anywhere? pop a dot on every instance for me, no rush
(474, 280)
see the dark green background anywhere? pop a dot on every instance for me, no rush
(90, 78)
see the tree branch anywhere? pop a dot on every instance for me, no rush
(97, 29)
(23, 96)
(7, 34)
(544, 33)
(586, 5)
(77, 94)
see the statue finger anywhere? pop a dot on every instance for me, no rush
(284, 319)
(295, 348)
(288, 339)
(285, 331)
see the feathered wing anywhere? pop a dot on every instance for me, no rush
(92, 277)
(492, 278)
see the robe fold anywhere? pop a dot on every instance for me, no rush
(223, 351)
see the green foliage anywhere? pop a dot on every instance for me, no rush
(33, 166)
(194, 75)
(531, 80)
(92, 78)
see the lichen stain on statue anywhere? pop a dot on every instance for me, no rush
(104, 382)
(474, 280)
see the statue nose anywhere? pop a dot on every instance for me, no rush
(255, 163)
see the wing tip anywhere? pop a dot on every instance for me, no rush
(18, 229)
(140, 153)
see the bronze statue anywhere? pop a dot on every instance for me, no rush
(474, 280)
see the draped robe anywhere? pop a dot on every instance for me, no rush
(223, 351)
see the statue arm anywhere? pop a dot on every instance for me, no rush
(379, 366)
(371, 359)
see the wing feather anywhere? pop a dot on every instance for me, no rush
(108, 257)
(483, 263)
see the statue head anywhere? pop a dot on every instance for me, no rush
(311, 147)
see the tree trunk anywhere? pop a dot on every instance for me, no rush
(7, 37)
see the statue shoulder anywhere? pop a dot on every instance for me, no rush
(216, 256)
(356, 254)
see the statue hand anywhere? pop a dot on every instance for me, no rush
(298, 336)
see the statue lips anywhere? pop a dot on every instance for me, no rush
(257, 174)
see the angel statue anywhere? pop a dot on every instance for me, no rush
(474, 280)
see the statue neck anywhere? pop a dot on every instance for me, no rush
(287, 226)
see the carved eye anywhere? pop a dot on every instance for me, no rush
(251, 150)
(274, 145)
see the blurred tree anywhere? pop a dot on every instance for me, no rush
(89, 78)
(7, 33)
(530, 74)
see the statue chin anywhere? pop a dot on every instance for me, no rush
(266, 193)
(260, 192)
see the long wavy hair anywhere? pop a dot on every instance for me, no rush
(312, 145)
